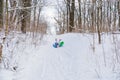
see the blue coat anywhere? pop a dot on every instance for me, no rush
(55, 45)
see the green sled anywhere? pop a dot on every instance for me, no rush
(61, 44)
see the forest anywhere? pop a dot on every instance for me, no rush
(25, 25)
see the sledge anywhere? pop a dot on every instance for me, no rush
(55, 45)
(61, 44)
(58, 44)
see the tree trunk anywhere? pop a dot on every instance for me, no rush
(71, 16)
(1, 25)
(1, 14)
(67, 15)
(6, 29)
(119, 14)
(13, 5)
(1, 52)
(26, 13)
(79, 16)
(100, 9)
(34, 19)
(98, 23)
(93, 16)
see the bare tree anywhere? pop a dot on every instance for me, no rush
(25, 13)
(119, 13)
(68, 10)
(79, 16)
(1, 13)
(71, 15)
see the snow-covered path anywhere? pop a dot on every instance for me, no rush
(74, 61)
(70, 62)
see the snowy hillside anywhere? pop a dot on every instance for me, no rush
(80, 58)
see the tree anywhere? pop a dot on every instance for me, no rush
(1, 13)
(93, 15)
(1, 24)
(68, 10)
(71, 15)
(13, 5)
(79, 16)
(25, 13)
(119, 13)
(99, 13)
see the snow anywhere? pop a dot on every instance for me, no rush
(6, 75)
(76, 60)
